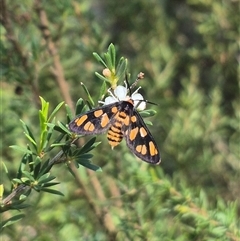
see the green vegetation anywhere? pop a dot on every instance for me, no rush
(56, 188)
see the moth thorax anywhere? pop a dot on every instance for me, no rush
(130, 100)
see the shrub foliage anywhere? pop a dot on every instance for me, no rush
(57, 186)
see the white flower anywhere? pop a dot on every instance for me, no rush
(138, 101)
(120, 94)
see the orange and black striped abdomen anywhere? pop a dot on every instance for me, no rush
(120, 123)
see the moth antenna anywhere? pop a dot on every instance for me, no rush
(139, 77)
(149, 102)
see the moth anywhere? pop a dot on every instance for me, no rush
(120, 119)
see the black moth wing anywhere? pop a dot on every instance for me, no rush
(90, 116)
(149, 156)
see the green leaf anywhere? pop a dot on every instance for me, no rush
(112, 52)
(88, 146)
(24, 196)
(122, 64)
(50, 184)
(20, 206)
(31, 139)
(148, 113)
(64, 128)
(44, 168)
(37, 168)
(70, 170)
(102, 78)
(45, 178)
(88, 94)
(121, 68)
(43, 139)
(218, 231)
(149, 123)
(45, 108)
(79, 106)
(102, 90)
(4, 167)
(86, 156)
(108, 60)
(1, 191)
(42, 120)
(11, 220)
(57, 141)
(89, 165)
(69, 113)
(98, 58)
(28, 175)
(43, 117)
(26, 159)
(59, 144)
(110, 57)
(26, 129)
(57, 108)
(49, 135)
(25, 180)
(29, 134)
(52, 191)
(22, 149)
(110, 63)
(16, 180)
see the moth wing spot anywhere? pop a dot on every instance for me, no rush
(80, 120)
(89, 126)
(127, 121)
(144, 150)
(139, 148)
(133, 118)
(98, 113)
(104, 120)
(143, 132)
(133, 133)
(114, 109)
(153, 149)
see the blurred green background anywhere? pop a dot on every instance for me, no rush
(189, 52)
